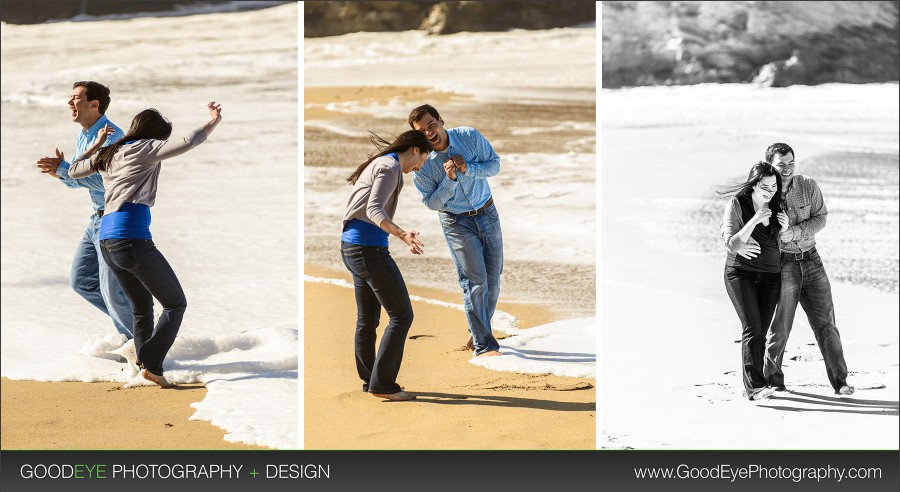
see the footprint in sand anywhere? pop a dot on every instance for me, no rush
(531, 385)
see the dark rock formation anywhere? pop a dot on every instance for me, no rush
(334, 18)
(38, 11)
(773, 43)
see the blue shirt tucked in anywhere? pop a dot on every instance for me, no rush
(361, 232)
(94, 183)
(132, 221)
(470, 191)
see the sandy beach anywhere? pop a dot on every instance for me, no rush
(543, 127)
(60, 415)
(458, 406)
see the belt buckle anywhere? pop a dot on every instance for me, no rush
(472, 213)
(798, 256)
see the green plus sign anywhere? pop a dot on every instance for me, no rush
(254, 473)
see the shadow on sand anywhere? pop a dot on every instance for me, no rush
(502, 401)
(810, 402)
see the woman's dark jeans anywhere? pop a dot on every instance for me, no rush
(754, 295)
(144, 273)
(377, 282)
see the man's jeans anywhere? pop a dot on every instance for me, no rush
(754, 295)
(92, 279)
(144, 273)
(476, 245)
(806, 282)
(377, 282)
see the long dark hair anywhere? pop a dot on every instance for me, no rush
(146, 125)
(760, 170)
(402, 143)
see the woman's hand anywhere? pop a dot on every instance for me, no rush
(783, 220)
(215, 116)
(103, 134)
(762, 214)
(415, 246)
(215, 111)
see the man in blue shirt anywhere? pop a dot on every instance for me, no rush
(453, 181)
(91, 277)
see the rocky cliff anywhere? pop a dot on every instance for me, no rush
(335, 18)
(771, 43)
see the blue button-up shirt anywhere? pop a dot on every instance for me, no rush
(470, 191)
(94, 183)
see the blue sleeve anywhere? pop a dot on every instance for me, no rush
(436, 190)
(487, 161)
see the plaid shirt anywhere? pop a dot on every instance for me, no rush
(807, 213)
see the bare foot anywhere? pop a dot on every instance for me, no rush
(492, 353)
(160, 380)
(470, 343)
(398, 396)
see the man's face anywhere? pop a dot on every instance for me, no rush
(433, 128)
(83, 111)
(785, 165)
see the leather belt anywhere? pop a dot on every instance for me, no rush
(99, 213)
(480, 210)
(803, 255)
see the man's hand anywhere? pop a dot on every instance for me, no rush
(750, 249)
(49, 165)
(459, 162)
(450, 169)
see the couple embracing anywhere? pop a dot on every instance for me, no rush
(769, 229)
(451, 167)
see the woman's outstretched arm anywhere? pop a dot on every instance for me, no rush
(177, 146)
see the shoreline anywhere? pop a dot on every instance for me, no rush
(70, 415)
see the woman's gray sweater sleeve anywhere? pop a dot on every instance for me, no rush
(81, 168)
(165, 149)
(384, 186)
(731, 225)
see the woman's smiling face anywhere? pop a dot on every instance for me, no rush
(765, 188)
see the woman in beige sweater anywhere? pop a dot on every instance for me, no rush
(130, 170)
(364, 248)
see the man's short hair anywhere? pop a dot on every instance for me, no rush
(95, 91)
(779, 149)
(421, 111)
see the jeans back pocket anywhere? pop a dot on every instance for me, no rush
(120, 253)
(354, 260)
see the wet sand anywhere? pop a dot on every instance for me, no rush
(62, 415)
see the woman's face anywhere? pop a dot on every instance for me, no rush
(765, 189)
(412, 160)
